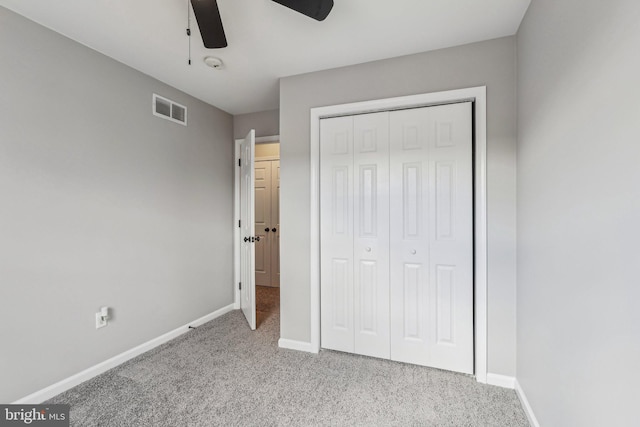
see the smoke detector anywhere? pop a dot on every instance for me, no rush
(213, 62)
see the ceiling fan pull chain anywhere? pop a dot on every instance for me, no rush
(189, 30)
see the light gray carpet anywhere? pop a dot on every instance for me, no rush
(223, 374)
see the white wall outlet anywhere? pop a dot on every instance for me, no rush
(102, 317)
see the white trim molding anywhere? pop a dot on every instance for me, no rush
(526, 406)
(501, 381)
(72, 381)
(476, 94)
(296, 345)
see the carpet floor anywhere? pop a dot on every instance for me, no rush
(267, 304)
(223, 374)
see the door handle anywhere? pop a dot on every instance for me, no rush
(257, 239)
(266, 229)
(274, 229)
(246, 239)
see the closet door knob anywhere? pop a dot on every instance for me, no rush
(368, 249)
(274, 229)
(413, 251)
(266, 229)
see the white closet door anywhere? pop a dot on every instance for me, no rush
(263, 222)
(432, 237)
(274, 234)
(371, 234)
(336, 233)
(354, 161)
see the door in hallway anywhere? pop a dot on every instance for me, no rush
(267, 222)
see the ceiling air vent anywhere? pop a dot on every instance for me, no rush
(167, 109)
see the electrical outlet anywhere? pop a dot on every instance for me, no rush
(101, 321)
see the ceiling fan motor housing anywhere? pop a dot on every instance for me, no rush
(210, 23)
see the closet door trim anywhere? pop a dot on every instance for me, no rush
(477, 95)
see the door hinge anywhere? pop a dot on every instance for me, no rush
(238, 223)
(240, 285)
(239, 163)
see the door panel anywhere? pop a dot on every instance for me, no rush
(413, 299)
(451, 237)
(371, 240)
(262, 221)
(275, 223)
(432, 246)
(336, 231)
(408, 236)
(247, 222)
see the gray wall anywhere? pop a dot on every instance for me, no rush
(578, 211)
(266, 123)
(490, 63)
(101, 203)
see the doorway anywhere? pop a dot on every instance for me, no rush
(267, 227)
(257, 236)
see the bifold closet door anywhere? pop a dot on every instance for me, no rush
(354, 159)
(396, 218)
(432, 237)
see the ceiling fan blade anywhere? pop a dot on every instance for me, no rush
(210, 23)
(316, 9)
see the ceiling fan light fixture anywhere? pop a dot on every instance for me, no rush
(213, 62)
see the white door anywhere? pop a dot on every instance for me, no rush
(336, 234)
(355, 234)
(267, 223)
(274, 234)
(432, 237)
(371, 234)
(263, 222)
(247, 236)
(396, 235)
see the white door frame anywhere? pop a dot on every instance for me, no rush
(478, 96)
(236, 215)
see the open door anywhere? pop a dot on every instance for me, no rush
(247, 235)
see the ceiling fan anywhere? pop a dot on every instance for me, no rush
(210, 23)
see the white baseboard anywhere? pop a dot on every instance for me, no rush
(72, 381)
(295, 345)
(501, 380)
(525, 405)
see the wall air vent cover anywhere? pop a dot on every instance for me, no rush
(167, 109)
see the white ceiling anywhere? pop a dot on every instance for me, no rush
(266, 40)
